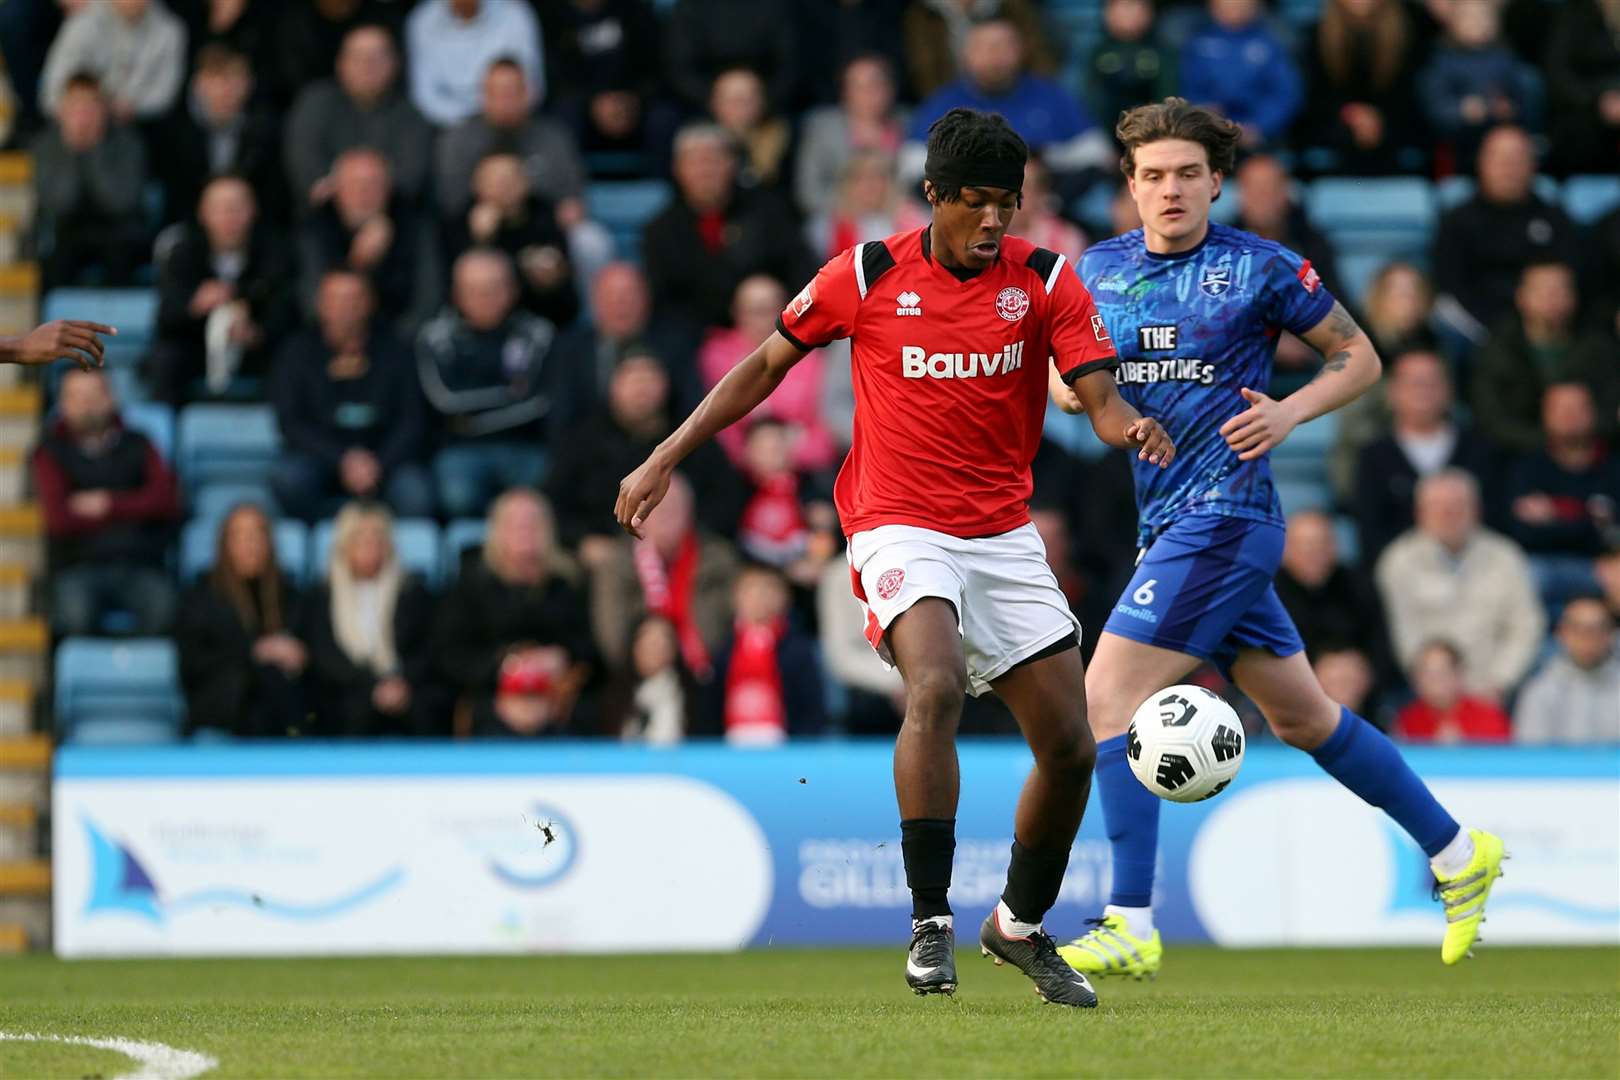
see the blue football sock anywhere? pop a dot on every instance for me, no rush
(1131, 813)
(1362, 758)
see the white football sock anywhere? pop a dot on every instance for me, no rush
(1454, 858)
(1138, 920)
(947, 921)
(1009, 923)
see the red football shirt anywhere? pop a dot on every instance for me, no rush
(949, 377)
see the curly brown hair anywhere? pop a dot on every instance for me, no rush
(1175, 118)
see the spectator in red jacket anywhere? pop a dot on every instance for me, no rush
(109, 502)
(1443, 712)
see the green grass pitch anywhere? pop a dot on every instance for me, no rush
(776, 1012)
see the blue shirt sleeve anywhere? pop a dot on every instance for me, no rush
(1293, 296)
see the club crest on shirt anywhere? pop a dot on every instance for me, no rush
(1217, 279)
(889, 583)
(802, 302)
(1012, 303)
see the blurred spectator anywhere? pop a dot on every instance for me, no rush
(769, 672)
(309, 35)
(506, 214)
(1473, 81)
(1267, 208)
(512, 636)
(1052, 525)
(1604, 264)
(1234, 62)
(350, 410)
(1450, 578)
(213, 130)
(1575, 697)
(1483, 246)
(713, 234)
(508, 124)
(1583, 87)
(703, 38)
(1607, 569)
(450, 45)
(1334, 606)
(1535, 346)
(869, 207)
(1422, 439)
(845, 31)
(737, 103)
(1039, 220)
(937, 32)
(1347, 678)
(1361, 63)
(599, 451)
(1565, 499)
(135, 50)
(865, 121)
(1128, 66)
(796, 401)
(788, 522)
(240, 666)
(1444, 711)
(89, 173)
(678, 571)
(241, 26)
(368, 630)
(225, 296)
(483, 366)
(621, 318)
(109, 505)
(660, 703)
(994, 79)
(876, 696)
(361, 107)
(1123, 216)
(367, 228)
(1398, 309)
(596, 46)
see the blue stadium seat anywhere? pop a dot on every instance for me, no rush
(235, 443)
(1297, 495)
(1074, 433)
(154, 420)
(214, 501)
(1386, 215)
(1356, 272)
(460, 536)
(118, 691)
(1225, 209)
(1303, 455)
(132, 311)
(200, 538)
(415, 539)
(1587, 198)
(1348, 538)
(624, 207)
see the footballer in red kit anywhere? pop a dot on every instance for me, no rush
(958, 331)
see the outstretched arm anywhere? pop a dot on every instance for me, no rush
(1350, 365)
(72, 339)
(1116, 422)
(732, 398)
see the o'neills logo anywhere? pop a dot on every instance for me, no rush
(919, 363)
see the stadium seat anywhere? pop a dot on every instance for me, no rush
(155, 421)
(132, 311)
(1297, 495)
(233, 443)
(415, 539)
(1587, 198)
(214, 501)
(1356, 272)
(200, 537)
(118, 691)
(1348, 538)
(624, 207)
(1385, 215)
(1224, 210)
(1074, 434)
(460, 536)
(1303, 455)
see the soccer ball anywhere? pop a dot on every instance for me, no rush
(1185, 744)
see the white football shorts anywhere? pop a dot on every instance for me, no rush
(1008, 604)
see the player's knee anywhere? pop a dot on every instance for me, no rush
(1070, 751)
(934, 699)
(1304, 726)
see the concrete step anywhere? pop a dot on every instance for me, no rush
(25, 877)
(24, 645)
(13, 472)
(19, 297)
(16, 706)
(25, 923)
(17, 187)
(25, 770)
(21, 409)
(16, 590)
(22, 536)
(19, 830)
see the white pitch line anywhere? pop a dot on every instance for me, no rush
(157, 1061)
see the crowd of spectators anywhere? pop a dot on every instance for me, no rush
(374, 216)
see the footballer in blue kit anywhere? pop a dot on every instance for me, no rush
(1195, 309)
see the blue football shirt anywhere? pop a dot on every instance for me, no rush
(1192, 329)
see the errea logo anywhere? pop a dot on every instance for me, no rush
(908, 302)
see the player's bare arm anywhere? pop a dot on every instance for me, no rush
(1117, 422)
(732, 398)
(72, 339)
(1350, 365)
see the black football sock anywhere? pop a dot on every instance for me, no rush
(1033, 880)
(928, 844)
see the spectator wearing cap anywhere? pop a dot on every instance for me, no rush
(110, 504)
(1575, 697)
(135, 49)
(450, 44)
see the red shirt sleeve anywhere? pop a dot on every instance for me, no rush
(1080, 341)
(825, 310)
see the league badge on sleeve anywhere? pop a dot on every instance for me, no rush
(1308, 277)
(1098, 329)
(802, 302)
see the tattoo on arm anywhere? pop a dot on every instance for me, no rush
(1337, 361)
(1342, 322)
